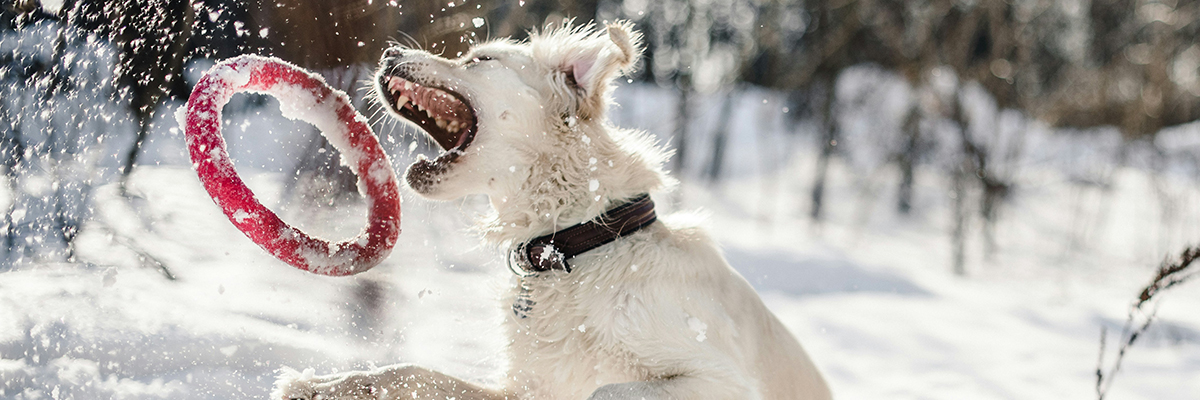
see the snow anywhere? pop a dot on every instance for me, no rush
(699, 327)
(879, 313)
(234, 316)
(869, 293)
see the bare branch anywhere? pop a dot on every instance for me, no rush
(1170, 274)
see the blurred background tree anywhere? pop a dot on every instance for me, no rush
(1131, 65)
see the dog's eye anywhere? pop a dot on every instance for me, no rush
(478, 59)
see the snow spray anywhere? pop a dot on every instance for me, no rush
(306, 97)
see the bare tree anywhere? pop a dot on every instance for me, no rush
(351, 37)
(695, 48)
(48, 146)
(683, 117)
(716, 161)
(152, 37)
(907, 160)
(828, 146)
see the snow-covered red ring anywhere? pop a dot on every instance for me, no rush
(306, 97)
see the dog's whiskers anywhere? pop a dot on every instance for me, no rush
(409, 42)
(413, 43)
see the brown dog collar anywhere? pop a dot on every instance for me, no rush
(551, 252)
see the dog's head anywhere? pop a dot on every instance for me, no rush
(503, 105)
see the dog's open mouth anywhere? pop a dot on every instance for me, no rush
(442, 113)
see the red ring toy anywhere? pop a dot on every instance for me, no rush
(306, 97)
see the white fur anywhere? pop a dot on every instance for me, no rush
(655, 315)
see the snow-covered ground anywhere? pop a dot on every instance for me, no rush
(869, 293)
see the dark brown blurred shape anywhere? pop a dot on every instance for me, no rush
(326, 34)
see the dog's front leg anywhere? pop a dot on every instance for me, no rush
(400, 381)
(674, 388)
(628, 390)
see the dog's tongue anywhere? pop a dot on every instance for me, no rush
(435, 102)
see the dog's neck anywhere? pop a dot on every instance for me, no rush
(590, 168)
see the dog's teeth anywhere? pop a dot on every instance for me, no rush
(408, 85)
(401, 101)
(429, 113)
(441, 123)
(452, 126)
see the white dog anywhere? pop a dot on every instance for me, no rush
(654, 314)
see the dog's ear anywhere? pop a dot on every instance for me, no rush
(599, 60)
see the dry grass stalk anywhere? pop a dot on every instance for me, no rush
(1170, 274)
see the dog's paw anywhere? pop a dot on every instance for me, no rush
(627, 391)
(297, 385)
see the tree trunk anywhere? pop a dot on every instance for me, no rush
(135, 151)
(12, 155)
(970, 167)
(153, 39)
(959, 235)
(721, 136)
(683, 115)
(828, 146)
(908, 160)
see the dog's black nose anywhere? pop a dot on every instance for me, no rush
(392, 52)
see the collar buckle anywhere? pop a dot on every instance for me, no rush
(528, 259)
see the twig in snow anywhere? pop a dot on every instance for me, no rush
(147, 260)
(1170, 274)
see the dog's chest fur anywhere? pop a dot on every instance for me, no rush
(571, 332)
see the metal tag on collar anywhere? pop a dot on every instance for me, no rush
(518, 260)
